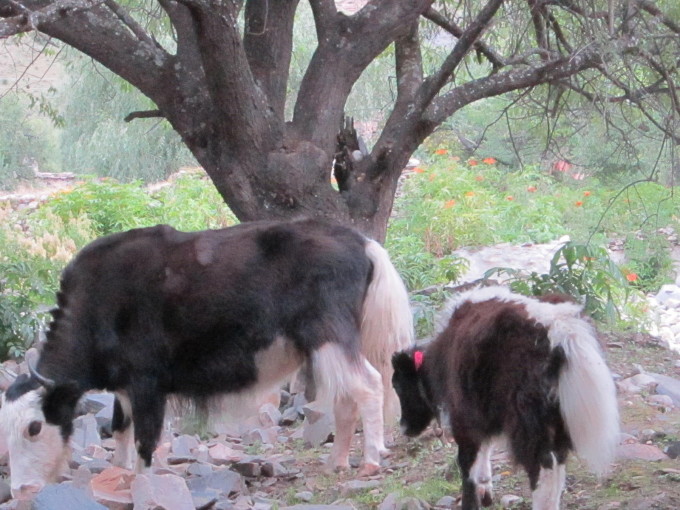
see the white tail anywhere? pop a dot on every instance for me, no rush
(387, 323)
(587, 393)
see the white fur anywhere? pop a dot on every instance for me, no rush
(125, 454)
(352, 386)
(387, 322)
(587, 393)
(550, 486)
(43, 457)
(275, 365)
(480, 472)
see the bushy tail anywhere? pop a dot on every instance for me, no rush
(587, 393)
(387, 323)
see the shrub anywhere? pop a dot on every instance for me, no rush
(584, 272)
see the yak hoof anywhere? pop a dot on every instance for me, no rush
(487, 500)
(386, 453)
(369, 470)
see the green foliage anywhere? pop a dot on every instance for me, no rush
(191, 203)
(581, 271)
(27, 286)
(96, 139)
(418, 267)
(649, 260)
(110, 206)
(35, 246)
(25, 140)
(425, 308)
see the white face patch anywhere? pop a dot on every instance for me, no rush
(37, 452)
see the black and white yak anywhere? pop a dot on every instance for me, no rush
(524, 370)
(155, 312)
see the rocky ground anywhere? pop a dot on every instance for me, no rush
(276, 458)
(269, 465)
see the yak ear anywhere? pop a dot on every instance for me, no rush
(403, 362)
(59, 405)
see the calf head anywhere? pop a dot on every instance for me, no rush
(417, 410)
(38, 451)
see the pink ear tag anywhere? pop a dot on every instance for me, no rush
(418, 358)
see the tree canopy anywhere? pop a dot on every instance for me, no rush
(222, 80)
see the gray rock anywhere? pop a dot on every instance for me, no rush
(96, 466)
(269, 415)
(390, 502)
(673, 450)
(199, 469)
(263, 436)
(60, 497)
(225, 481)
(95, 402)
(206, 498)
(184, 445)
(250, 469)
(305, 496)
(86, 431)
(667, 386)
(289, 416)
(354, 486)
(446, 502)
(273, 469)
(668, 292)
(318, 426)
(5, 492)
(510, 500)
(161, 492)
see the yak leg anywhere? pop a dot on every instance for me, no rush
(467, 455)
(482, 474)
(549, 486)
(341, 377)
(148, 409)
(346, 416)
(123, 431)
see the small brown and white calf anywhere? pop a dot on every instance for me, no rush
(506, 366)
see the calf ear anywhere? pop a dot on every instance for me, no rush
(403, 362)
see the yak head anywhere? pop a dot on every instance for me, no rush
(38, 450)
(410, 383)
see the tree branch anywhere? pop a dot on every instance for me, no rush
(149, 114)
(342, 55)
(241, 110)
(454, 29)
(434, 83)
(268, 43)
(95, 30)
(325, 13)
(507, 81)
(21, 19)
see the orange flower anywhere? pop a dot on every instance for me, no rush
(419, 170)
(632, 277)
(455, 158)
(479, 178)
(473, 162)
(449, 204)
(441, 152)
(470, 194)
(586, 193)
(431, 177)
(489, 161)
(578, 203)
(532, 189)
(510, 198)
